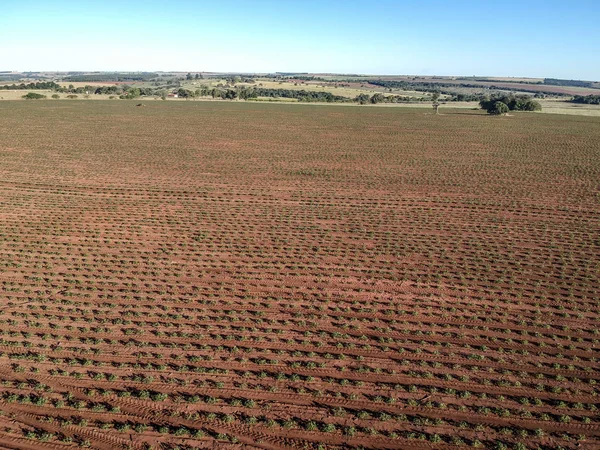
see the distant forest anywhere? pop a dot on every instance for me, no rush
(431, 87)
(451, 88)
(4, 76)
(576, 83)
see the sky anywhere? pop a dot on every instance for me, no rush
(520, 38)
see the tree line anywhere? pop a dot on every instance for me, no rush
(250, 93)
(48, 85)
(302, 78)
(302, 95)
(112, 76)
(587, 99)
(247, 92)
(365, 99)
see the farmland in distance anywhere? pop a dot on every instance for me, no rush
(198, 274)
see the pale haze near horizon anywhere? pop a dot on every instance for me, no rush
(515, 38)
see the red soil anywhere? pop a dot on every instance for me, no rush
(225, 275)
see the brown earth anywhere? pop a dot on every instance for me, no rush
(208, 275)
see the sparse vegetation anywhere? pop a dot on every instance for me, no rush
(220, 274)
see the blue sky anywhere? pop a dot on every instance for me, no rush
(434, 37)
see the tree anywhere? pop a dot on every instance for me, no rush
(230, 94)
(514, 102)
(434, 98)
(188, 76)
(197, 76)
(377, 98)
(55, 96)
(162, 93)
(244, 92)
(523, 103)
(530, 105)
(131, 94)
(362, 99)
(498, 108)
(233, 80)
(184, 93)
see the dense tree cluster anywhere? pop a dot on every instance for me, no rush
(413, 85)
(498, 108)
(247, 92)
(365, 99)
(461, 97)
(587, 99)
(501, 104)
(36, 85)
(302, 95)
(113, 76)
(237, 79)
(304, 78)
(88, 89)
(107, 90)
(131, 93)
(124, 91)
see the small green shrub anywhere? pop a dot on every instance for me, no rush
(33, 96)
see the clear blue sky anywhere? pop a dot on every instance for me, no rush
(445, 37)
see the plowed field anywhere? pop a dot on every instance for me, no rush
(216, 275)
